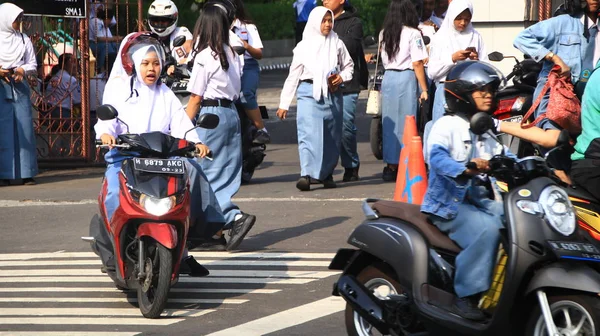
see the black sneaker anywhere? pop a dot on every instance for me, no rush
(329, 183)
(219, 244)
(467, 308)
(389, 175)
(262, 137)
(29, 181)
(303, 183)
(350, 175)
(239, 230)
(190, 266)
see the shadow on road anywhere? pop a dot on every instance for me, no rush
(271, 237)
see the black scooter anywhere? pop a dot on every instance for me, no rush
(253, 153)
(399, 278)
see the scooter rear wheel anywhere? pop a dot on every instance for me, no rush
(381, 281)
(572, 315)
(153, 292)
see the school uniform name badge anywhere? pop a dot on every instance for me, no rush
(585, 75)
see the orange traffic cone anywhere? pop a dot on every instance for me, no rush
(410, 130)
(411, 183)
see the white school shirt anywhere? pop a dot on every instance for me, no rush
(179, 52)
(210, 81)
(63, 86)
(412, 49)
(235, 41)
(28, 62)
(452, 133)
(299, 72)
(98, 29)
(248, 32)
(170, 118)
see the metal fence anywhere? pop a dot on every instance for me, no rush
(70, 80)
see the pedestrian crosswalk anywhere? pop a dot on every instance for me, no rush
(65, 293)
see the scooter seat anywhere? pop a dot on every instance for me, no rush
(582, 194)
(411, 213)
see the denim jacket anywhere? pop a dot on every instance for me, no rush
(451, 146)
(562, 35)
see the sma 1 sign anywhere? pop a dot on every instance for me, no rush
(60, 8)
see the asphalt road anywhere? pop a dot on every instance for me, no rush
(277, 284)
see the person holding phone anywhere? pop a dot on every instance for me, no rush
(18, 157)
(321, 63)
(455, 41)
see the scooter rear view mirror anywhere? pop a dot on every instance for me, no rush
(481, 122)
(496, 56)
(426, 40)
(179, 41)
(106, 112)
(208, 121)
(239, 50)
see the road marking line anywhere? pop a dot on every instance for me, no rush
(207, 262)
(216, 255)
(31, 203)
(115, 290)
(115, 299)
(286, 319)
(68, 333)
(101, 279)
(213, 273)
(100, 312)
(87, 321)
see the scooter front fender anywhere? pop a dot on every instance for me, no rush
(564, 275)
(164, 233)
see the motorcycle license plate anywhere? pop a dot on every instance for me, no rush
(160, 166)
(575, 250)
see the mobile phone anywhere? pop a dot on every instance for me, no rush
(471, 49)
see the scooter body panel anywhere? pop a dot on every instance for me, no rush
(164, 233)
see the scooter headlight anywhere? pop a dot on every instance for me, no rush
(558, 210)
(157, 206)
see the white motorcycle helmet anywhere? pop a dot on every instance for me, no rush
(162, 17)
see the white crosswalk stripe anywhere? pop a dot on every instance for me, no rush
(43, 293)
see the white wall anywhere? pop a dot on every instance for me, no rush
(499, 22)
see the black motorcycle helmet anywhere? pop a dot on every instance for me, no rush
(466, 77)
(226, 5)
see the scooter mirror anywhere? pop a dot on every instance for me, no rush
(496, 56)
(369, 41)
(208, 121)
(239, 50)
(106, 112)
(426, 40)
(481, 122)
(179, 41)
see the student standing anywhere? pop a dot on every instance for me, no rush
(18, 158)
(248, 34)
(349, 28)
(321, 63)
(402, 52)
(215, 84)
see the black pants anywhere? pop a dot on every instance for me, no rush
(585, 174)
(299, 30)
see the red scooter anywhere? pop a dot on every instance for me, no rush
(141, 247)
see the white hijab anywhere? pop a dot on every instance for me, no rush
(318, 52)
(450, 40)
(120, 93)
(12, 46)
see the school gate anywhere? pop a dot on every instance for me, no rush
(63, 125)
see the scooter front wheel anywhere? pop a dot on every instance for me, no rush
(380, 281)
(154, 289)
(572, 315)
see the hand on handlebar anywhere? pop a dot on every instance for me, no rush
(108, 139)
(477, 166)
(203, 151)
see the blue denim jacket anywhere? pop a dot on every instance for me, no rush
(450, 146)
(562, 35)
